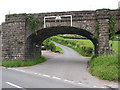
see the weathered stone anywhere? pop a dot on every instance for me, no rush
(14, 31)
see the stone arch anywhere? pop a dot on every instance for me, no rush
(34, 41)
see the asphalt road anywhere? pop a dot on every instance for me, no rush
(16, 79)
(60, 71)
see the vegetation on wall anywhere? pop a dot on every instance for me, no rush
(15, 15)
(112, 27)
(33, 23)
(18, 41)
(96, 31)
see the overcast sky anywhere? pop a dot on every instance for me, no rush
(38, 6)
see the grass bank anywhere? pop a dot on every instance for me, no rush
(105, 67)
(19, 63)
(58, 49)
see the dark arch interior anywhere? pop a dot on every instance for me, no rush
(118, 32)
(33, 51)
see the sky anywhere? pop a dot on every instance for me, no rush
(38, 6)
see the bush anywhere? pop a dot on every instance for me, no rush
(46, 43)
(58, 49)
(52, 47)
(86, 49)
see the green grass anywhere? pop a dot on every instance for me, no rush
(115, 45)
(90, 44)
(19, 63)
(72, 37)
(58, 49)
(105, 67)
(85, 42)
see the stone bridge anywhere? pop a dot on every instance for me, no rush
(19, 43)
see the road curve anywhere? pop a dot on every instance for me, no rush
(67, 67)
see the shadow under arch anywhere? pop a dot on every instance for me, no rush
(118, 32)
(34, 42)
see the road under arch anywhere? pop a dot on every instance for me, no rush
(34, 41)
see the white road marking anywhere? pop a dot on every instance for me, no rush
(13, 85)
(79, 83)
(56, 78)
(3, 67)
(102, 87)
(66, 80)
(45, 75)
(22, 70)
(94, 86)
(16, 69)
(9, 68)
(35, 73)
(69, 81)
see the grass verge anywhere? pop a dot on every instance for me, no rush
(105, 67)
(19, 63)
(58, 49)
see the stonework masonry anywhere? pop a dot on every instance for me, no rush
(19, 43)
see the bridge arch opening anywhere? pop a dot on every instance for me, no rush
(34, 41)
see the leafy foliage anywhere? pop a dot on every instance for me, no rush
(15, 15)
(51, 46)
(97, 30)
(112, 27)
(33, 23)
(19, 42)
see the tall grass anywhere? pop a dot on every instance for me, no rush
(105, 67)
(19, 63)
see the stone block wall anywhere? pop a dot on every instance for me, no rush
(13, 38)
(18, 41)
